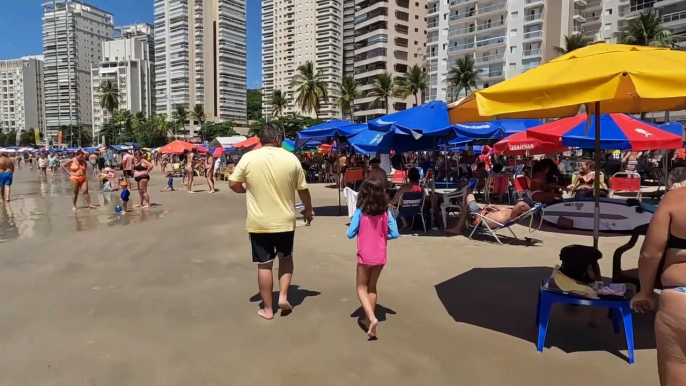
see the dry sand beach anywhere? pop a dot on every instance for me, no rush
(168, 297)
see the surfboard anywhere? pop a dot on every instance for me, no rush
(615, 214)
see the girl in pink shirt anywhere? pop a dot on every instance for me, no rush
(374, 225)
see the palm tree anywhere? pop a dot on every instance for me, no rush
(572, 43)
(279, 103)
(109, 96)
(198, 114)
(310, 88)
(646, 30)
(349, 92)
(463, 76)
(179, 118)
(414, 82)
(383, 89)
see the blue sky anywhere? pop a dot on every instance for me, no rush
(20, 27)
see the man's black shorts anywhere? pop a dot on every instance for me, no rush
(265, 246)
(128, 173)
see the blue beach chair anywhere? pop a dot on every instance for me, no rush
(479, 223)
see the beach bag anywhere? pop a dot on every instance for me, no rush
(579, 262)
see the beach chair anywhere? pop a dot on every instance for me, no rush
(521, 187)
(352, 175)
(479, 223)
(459, 198)
(497, 185)
(626, 182)
(399, 177)
(411, 205)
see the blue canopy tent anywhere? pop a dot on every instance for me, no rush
(125, 146)
(497, 129)
(375, 142)
(325, 131)
(430, 119)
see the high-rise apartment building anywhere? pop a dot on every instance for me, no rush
(21, 94)
(295, 32)
(125, 64)
(201, 58)
(503, 38)
(389, 37)
(349, 37)
(73, 32)
(141, 31)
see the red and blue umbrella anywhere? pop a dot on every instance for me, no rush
(617, 132)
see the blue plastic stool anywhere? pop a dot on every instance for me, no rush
(620, 309)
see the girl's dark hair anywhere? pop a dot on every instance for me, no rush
(372, 197)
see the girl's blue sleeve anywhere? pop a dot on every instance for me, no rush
(355, 223)
(392, 227)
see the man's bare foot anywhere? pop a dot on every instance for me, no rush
(73, 208)
(190, 191)
(92, 207)
(137, 206)
(146, 206)
(269, 315)
(285, 307)
(371, 333)
(210, 191)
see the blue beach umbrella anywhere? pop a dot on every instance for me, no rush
(430, 119)
(376, 142)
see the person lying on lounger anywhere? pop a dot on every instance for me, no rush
(493, 214)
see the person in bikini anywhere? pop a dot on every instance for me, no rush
(541, 190)
(141, 174)
(663, 255)
(209, 170)
(78, 177)
(6, 174)
(190, 157)
(585, 182)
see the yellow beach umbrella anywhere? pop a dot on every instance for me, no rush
(623, 78)
(605, 78)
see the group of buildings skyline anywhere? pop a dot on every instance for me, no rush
(196, 52)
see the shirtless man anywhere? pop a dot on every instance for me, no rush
(127, 166)
(209, 171)
(93, 161)
(342, 166)
(6, 173)
(189, 170)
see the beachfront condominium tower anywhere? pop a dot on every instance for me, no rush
(201, 58)
(295, 32)
(390, 38)
(21, 94)
(127, 66)
(502, 38)
(73, 32)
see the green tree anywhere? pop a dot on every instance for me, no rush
(310, 88)
(213, 130)
(109, 96)
(572, 43)
(179, 117)
(75, 135)
(10, 139)
(108, 133)
(414, 82)
(349, 92)
(279, 103)
(27, 138)
(646, 30)
(463, 76)
(384, 88)
(198, 114)
(254, 104)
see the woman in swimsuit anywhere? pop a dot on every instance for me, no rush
(78, 177)
(630, 161)
(541, 190)
(665, 243)
(585, 182)
(190, 157)
(141, 174)
(163, 162)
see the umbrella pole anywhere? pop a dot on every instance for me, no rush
(596, 182)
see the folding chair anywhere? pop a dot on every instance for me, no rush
(497, 185)
(400, 177)
(626, 182)
(521, 187)
(460, 196)
(411, 205)
(479, 223)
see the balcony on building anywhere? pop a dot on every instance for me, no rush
(581, 3)
(674, 19)
(533, 16)
(594, 4)
(476, 27)
(533, 34)
(532, 3)
(578, 30)
(579, 16)
(474, 10)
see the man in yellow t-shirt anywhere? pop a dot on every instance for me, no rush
(270, 176)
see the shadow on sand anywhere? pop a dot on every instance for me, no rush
(504, 300)
(331, 211)
(296, 296)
